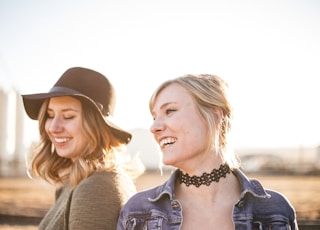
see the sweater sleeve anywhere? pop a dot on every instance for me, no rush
(96, 202)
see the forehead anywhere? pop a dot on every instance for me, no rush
(173, 93)
(64, 101)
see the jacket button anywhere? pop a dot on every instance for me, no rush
(175, 205)
(240, 204)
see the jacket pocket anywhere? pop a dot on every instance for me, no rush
(151, 223)
(273, 225)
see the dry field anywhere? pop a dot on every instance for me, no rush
(25, 197)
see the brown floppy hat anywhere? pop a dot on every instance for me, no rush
(84, 83)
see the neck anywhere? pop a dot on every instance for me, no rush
(206, 178)
(211, 193)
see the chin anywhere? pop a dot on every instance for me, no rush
(168, 162)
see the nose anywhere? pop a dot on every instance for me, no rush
(54, 125)
(157, 126)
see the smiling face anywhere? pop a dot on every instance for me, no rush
(179, 128)
(64, 126)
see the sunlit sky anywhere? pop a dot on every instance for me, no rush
(268, 51)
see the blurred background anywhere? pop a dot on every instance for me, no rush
(268, 51)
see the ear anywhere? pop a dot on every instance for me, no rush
(218, 114)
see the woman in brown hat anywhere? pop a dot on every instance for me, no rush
(78, 151)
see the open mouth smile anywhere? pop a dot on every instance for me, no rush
(167, 141)
(61, 140)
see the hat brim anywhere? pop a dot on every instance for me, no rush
(33, 102)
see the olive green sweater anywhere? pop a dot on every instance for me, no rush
(94, 204)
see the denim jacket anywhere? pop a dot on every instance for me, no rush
(256, 208)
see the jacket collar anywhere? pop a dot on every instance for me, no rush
(252, 186)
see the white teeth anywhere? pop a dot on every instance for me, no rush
(166, 141)
(61, 140)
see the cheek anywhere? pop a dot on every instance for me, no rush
(198, 126)
(77, 129)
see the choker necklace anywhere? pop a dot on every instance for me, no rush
(206, 178)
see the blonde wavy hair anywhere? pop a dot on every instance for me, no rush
(210, 94)
(99, 154)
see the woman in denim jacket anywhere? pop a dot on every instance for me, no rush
(192, 119)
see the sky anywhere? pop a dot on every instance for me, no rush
(268, 51)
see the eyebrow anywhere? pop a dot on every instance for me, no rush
(167, 103)
(65, 110)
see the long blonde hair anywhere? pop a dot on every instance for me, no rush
(210, 94)
(100, 151)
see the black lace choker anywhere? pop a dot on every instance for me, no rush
(206, 178)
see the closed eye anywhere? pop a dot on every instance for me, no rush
(50, 116)
(69, 118)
